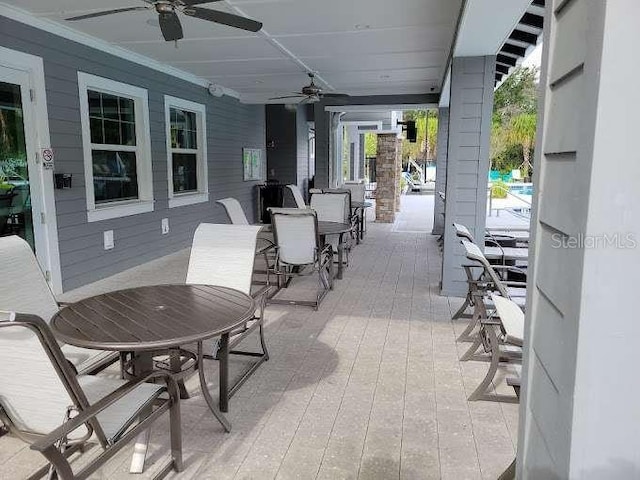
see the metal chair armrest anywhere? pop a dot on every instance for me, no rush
(515, 284)
(509, 268)
(52, 438)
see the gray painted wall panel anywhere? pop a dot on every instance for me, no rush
(230, 127)
(441, 170)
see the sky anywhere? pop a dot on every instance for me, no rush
(534, 58)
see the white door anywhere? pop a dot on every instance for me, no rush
(26, 190)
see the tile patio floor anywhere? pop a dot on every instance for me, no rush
(369, 386)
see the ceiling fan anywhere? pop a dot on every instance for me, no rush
(168, 16)
(311, 93)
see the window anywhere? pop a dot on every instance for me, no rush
(115, 131)
(186, 152)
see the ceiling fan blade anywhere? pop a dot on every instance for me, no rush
(335, 95)
(105, 12)
(188, 3)
(170, 26)
(288, 96)
(224, 18)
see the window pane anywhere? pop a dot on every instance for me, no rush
(190, 120)
(185, 173)
(183, 129)
(112, 119)
(114, 176)
(95, 110)
(97, 132)
(126, 109)
(109, 106)
(112, 132)
(191, 139)
(128, 133)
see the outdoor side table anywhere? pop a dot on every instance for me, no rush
(146, 320)
(334, 228)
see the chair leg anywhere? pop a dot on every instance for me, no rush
(470, 354)
(460, 313)
(510, 472)
(175, 427)
(479, 312)
(481, 391)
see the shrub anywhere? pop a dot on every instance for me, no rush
(499, 190)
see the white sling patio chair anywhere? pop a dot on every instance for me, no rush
(265, 243)
(487, 281)
(502, 336)
(26, 290)
(297, 196)
(234, 211)
(45, 403)
(357, 190)
(463, 233)
(299, 248)
(223, 255)
(335, 206)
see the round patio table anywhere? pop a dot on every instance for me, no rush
(334, 228)
(151, 319)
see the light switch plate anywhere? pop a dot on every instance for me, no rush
(108, 240)
(165, 226)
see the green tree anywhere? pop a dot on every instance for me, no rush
(370, 144)
(522, 131)
(514, 121)
(427, 133)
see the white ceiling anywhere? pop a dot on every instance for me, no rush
(359, 47)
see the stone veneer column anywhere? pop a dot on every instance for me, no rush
(386, 177)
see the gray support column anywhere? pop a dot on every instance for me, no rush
(354, 150)
(471, 104)
(322, 126)
(579, 407)
(361, 157)
(338, 161)
(441, 170)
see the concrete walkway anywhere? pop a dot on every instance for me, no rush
(370, 386)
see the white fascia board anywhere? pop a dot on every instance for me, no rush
(486, 24)
(55, 28)
(445, 94)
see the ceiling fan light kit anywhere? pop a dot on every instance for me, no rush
(169, 20)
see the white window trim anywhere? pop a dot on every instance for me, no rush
(145, 202)
(202, 195)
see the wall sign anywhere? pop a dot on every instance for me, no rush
(252, 164)
(47, 158)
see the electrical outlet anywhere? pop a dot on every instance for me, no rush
(108, 240)
(165, 226)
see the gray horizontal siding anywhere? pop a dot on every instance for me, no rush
(230, 127)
